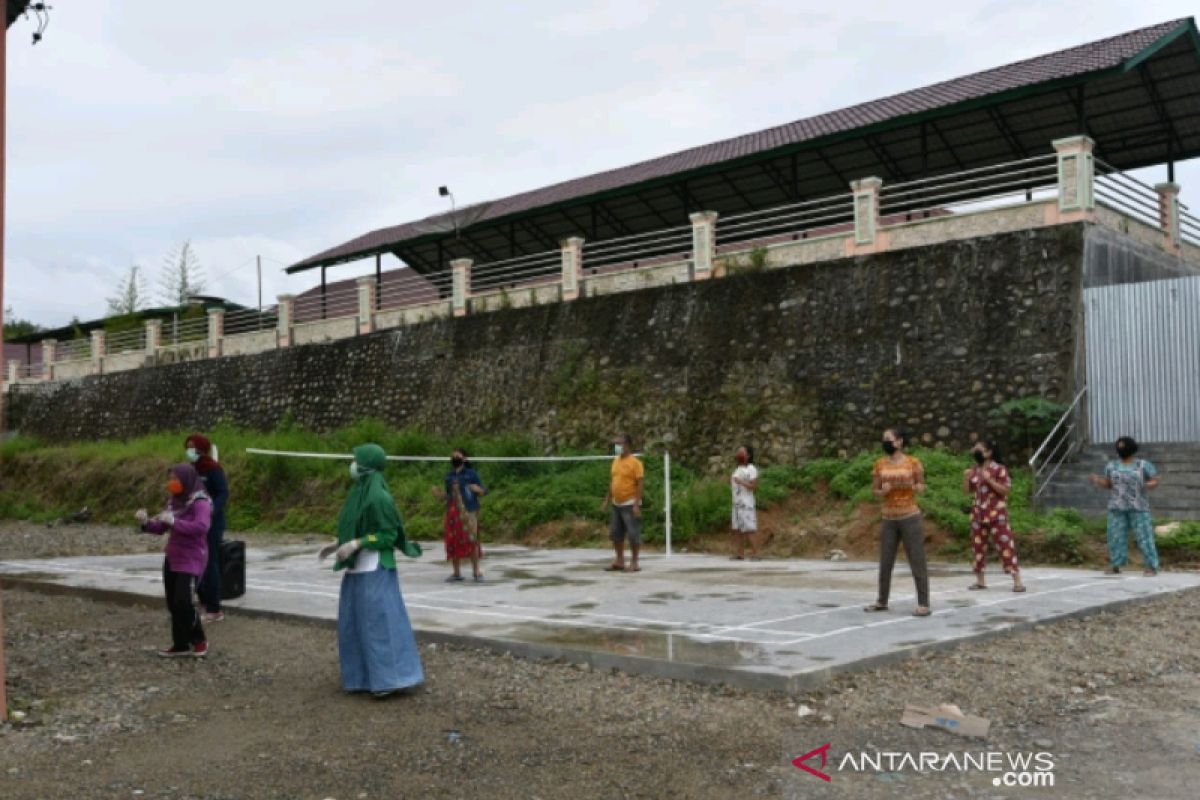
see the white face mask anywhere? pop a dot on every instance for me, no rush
(192, 455)
(618, 449)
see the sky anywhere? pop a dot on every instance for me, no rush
(280, 128)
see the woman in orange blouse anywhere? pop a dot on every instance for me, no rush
(897, 478)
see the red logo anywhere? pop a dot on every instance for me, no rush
(823, 751)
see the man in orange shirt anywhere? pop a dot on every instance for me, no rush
(625, 499)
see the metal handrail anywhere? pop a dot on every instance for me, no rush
(1058, 424)
(1029, 160)
(1117, 204)
(1068, 437)
(952, 179)
(1126, 176)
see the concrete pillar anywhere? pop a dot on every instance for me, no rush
(704, 243)
(48, 347)
(286, 316)
(572, 267)
(366, 304)
(153, 336)
(1076, 174)
(216, 331)
(866, 209)
(97, 352)
(14, 371)
(1168, 212)
(460, 274)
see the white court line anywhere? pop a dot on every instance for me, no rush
(911, 618)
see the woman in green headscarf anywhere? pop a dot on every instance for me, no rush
(376, 645)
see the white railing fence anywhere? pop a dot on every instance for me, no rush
(849, 219)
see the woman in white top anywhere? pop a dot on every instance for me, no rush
(745, 521)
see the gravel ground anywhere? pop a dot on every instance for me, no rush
(1114, 698)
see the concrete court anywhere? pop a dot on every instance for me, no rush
(778, 625)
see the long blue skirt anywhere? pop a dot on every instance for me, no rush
(375, 639)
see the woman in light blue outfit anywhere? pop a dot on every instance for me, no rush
(1129, 479)
(376, 645)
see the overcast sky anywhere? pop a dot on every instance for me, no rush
(284, 127)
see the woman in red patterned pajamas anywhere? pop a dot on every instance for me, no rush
(990, 482)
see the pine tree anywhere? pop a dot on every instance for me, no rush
(131, 294)
(182, 276)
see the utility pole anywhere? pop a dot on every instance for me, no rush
(259, 260)
(3, 123)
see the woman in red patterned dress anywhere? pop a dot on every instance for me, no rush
(990, 483)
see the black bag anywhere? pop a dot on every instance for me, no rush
(233, 569)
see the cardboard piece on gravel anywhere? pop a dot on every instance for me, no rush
(948, 717)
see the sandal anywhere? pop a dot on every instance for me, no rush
(976, 587)
(1149, 573)
(1113, 571)
(875, 607)
(633, 568)
(922, 611)
(454, 579)
(1020, 587)
(615, 568)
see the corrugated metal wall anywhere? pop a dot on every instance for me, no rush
(1142, 345)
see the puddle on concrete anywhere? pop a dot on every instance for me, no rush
(649, 602)
(827, 605)
(1007, 619)
(645, 644)
(960, 603)
(714, 594)
(915, 642)
(820, 658)
(581, 607)
(550, 582)
(949, 572)
(666, 596)
(32, 576)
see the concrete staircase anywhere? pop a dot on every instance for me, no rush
(1177, 495)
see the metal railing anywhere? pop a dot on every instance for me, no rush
(534, 269)
(340, 301)
(250, 320)
(188, 330)
(412, 289)
(967, 189)
(658, 245)
(1063, 440)
(125, 341)
(73, 350)
(788, 222)
(1189, 226)
(1125, 193)
(31, 372)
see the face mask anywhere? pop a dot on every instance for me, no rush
(192, 455)
(354, 473)
(175, 486)
(618, 449)
(456, 462)
(740, 458)
(889, 447)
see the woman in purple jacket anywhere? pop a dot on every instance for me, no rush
(186, 519)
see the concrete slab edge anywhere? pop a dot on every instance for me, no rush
(635, 665)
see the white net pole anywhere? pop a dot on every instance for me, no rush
(667, 502)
